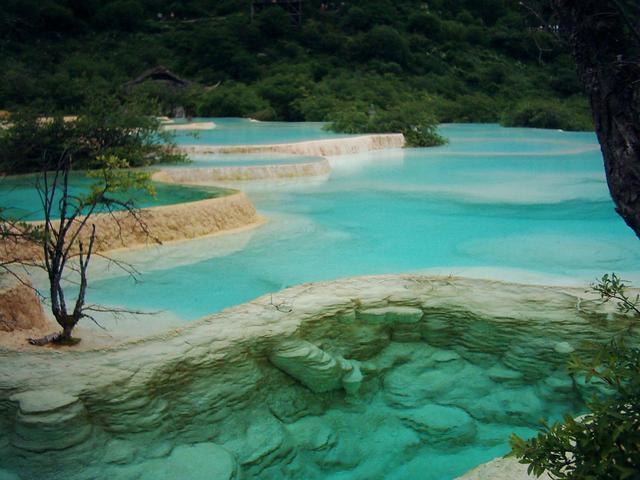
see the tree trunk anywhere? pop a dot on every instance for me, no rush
(68, 323)
(605, 49)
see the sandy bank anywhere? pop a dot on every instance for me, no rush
(163, 224)
(321, 148)
(20, 309)
(210, 175)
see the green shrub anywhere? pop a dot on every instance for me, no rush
(416, 124)
(383, 43)
(604, 444)
(124, 15)
(570, 115)
(104, 128)
(233, 100)
(426, 24)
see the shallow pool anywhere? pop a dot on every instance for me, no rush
(20, 199)
(242, 160)
(513, 204)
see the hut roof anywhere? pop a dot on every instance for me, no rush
(159, 74)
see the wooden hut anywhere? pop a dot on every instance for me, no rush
(161, 75)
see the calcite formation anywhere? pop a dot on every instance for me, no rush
(218, 175)
(501, 469)
(162, 224)
(322, 389)
(315, 368)
(48, 420)
(316, 148)
(314, 168)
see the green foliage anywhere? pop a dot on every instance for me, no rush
(612, 287)
(604, 444)
(104, 128)
(417, 125)
(234, 100)
(120, 15)
(540, 113)
(476, 59)
(114, 175)
(383, 43)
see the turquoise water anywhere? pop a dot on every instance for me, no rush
(240, 131)
(503, 203)
(20, 198)
(242, 160)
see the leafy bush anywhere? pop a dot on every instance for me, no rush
(235, 100)
(282, 90)
(569, 115)
(123, 15)
(426, 24)
(104, 128)
(383, 43)
(604, 444)
(417, 125)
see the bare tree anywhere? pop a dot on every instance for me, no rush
(67, 236)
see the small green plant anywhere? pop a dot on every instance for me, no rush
(605, 443)
(612, 287)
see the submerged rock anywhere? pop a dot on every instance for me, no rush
(120, 452)
(504, 375)
(7, 475)
(49, 420)
(517, 406)
(564, 348)
(444, 356)
(395, 314)
(312, 433)
(211, 381)
(439, 424)
(315, 368)
(203, 461)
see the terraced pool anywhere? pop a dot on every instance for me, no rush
(517, 204)
(20, 198)
(426, 377)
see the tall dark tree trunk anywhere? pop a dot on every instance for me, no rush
(603, 37)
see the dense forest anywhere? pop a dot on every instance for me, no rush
(452, 60)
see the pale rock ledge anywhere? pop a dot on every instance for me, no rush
(316, 148)
(163, 224)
